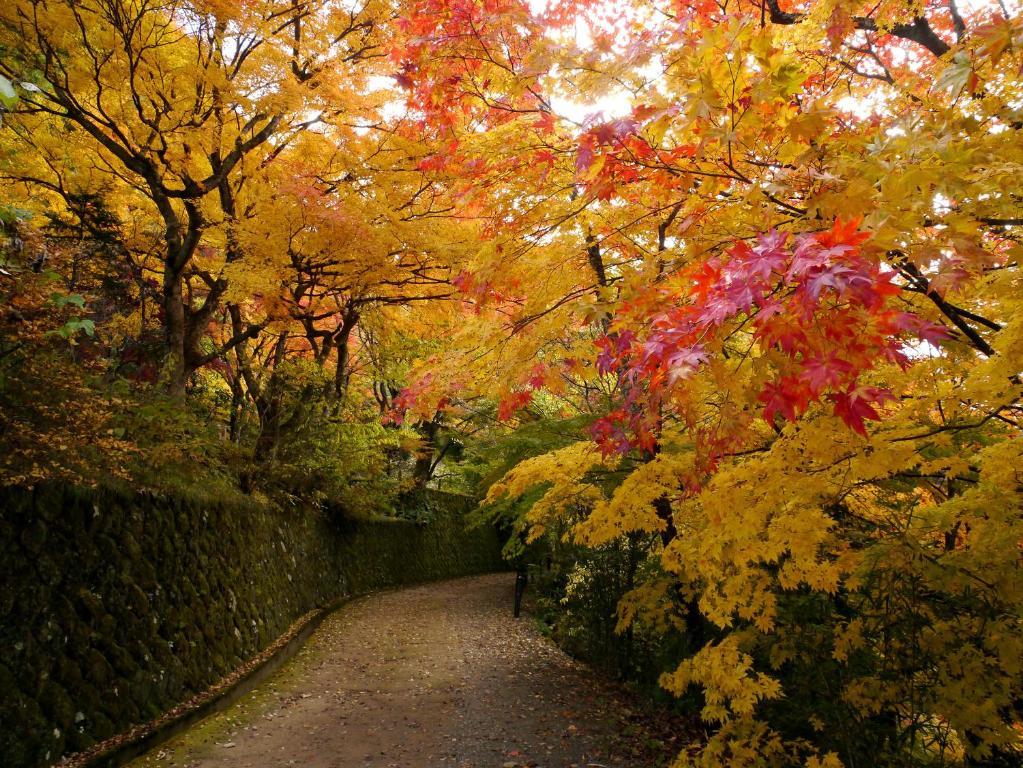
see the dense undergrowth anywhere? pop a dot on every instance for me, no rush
(82, 402)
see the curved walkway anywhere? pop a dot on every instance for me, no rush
(435, 675)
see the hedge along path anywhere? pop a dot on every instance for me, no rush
(435, 675)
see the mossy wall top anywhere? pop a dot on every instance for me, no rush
(115, 607)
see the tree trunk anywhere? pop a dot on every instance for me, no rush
(174, 373)
(270, 407)
(424, 467)
(341, 342)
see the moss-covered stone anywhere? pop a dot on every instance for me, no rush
(33, 536)
(100, 726)
(57, 705)
(89, 604)
(96, 669)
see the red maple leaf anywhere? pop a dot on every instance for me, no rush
(787, 396)
(843, 233)
(856, 405)
(829, 371)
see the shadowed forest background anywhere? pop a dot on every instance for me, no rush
(715, 307)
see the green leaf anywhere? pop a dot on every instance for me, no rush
(88, 327)
(8, 96)
(10, 214)
(62, 300)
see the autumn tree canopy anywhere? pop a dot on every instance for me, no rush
(751, 267)
(779, 276)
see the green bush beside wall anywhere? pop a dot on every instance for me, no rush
(114, 607)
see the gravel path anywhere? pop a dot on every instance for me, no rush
(436, 675)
